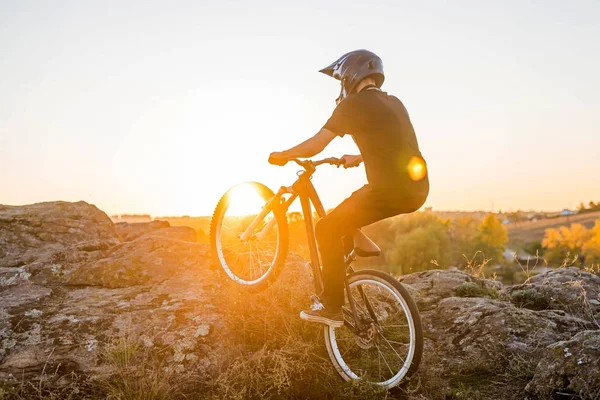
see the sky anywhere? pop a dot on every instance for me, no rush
(159, 107)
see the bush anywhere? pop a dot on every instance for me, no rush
(530, 298)
(472, 289)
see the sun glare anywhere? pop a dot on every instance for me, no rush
(417, 169)
(244, 200)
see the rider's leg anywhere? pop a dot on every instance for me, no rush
(363, 207)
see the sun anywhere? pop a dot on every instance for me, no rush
(244, 200)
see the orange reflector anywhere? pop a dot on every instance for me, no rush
(417, 169)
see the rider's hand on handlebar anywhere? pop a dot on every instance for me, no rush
(277, 158)
(350, 161)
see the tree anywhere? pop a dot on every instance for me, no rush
(415, 250)
(565, 242)
(591, 248)
(462, 232)
(491, 237)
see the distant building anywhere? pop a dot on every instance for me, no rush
(537, 217)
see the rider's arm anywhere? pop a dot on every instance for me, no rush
(312, 146)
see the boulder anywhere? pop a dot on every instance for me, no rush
(430, 287)
(146, 260)
(487, 333)
(33, 231)
(158, 291)
(69, 287)
(571, 366)
(569, 289)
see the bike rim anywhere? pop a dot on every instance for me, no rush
(258, 264)
(339, 351)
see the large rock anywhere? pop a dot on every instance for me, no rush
(156, 290)
(570, 366)
(68, 286)
(478, 344)
(147, 260)
(486, 332)
(569, 289)
(434, 285)
(30, 232)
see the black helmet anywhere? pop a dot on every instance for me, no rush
(353, 67)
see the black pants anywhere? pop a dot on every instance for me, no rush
(364, 207)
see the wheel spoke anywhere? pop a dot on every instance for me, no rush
(251, 261)
(400, 343)
(384, 360)
(392, 347)
(260, 253)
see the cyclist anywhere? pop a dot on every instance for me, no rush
(396, 171)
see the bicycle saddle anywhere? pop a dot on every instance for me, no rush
(363, 246)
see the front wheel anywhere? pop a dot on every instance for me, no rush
(253, 258)
(387, 345)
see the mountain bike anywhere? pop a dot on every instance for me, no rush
(381, 340)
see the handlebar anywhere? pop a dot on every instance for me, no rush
(307, 163)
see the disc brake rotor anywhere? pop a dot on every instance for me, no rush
(366, 338)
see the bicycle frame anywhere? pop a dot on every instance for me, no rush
(302, 188)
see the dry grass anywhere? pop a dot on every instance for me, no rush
(584, 307)
(277, 354)
(476, 264)
(272, 354)
(139, 373)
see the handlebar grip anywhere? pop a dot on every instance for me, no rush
(277, 161)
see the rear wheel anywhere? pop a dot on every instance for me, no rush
(387, 348)
(256, 261)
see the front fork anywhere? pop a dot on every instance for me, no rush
(358, 324)
(266, 209)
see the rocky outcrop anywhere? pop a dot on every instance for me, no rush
(477, 332)
(64, 294)
(28, 233)
(67, 297)
(435, 285)
(569, 289)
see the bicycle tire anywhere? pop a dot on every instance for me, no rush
(415, 352)
(282, 239)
